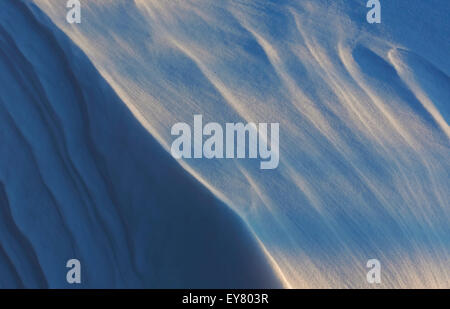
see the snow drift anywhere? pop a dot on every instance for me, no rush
(364, 142)
(81, 178)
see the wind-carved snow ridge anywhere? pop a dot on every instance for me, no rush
(364, 136)
(80, 178)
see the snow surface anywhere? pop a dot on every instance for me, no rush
(85, 170)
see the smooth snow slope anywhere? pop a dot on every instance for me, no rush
(363, 112)
(81, 178)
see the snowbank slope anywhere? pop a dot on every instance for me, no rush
(81, 178)
(363, 112)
